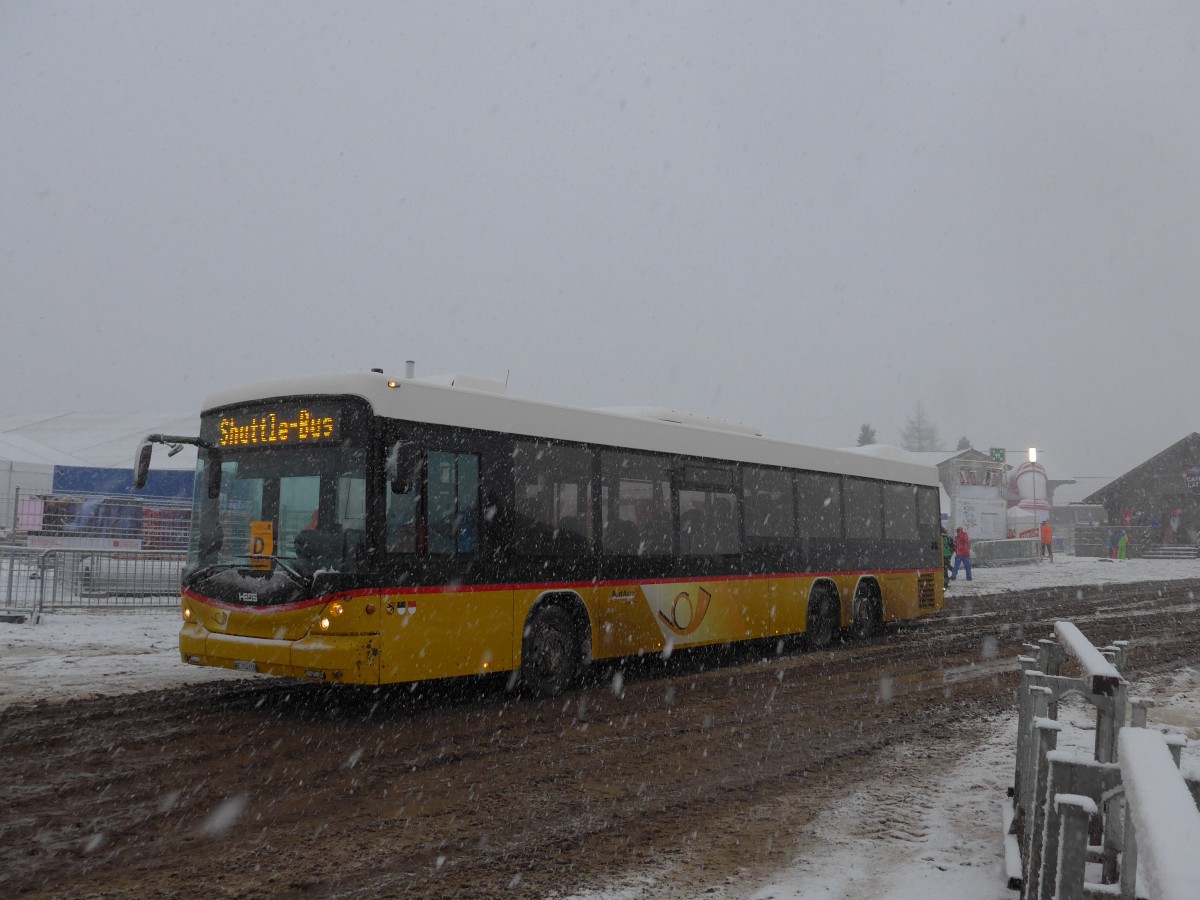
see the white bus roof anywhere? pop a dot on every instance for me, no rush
(455, 405)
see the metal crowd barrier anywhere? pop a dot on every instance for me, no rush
(1071, 812)
(33, 581)
(1011, 552)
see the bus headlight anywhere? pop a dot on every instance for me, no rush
(332, 611)
(187, 613)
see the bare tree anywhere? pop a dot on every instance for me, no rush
(963, 443)
(919, 433)
(866, 436)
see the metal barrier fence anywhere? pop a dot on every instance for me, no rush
(1104, 540)
(1011, 552)
(99, 520)
(1075, 823)
(33, 581)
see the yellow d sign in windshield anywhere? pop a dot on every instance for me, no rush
(262, 544)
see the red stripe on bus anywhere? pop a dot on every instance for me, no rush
(530, 586)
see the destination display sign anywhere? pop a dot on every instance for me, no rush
(274, 425)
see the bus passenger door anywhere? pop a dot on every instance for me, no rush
(441, 621)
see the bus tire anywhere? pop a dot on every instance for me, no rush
(822, 621)
(549, 653)
(868, 617)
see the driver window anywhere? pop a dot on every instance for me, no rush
(453, 502)
(299, 500)
(451, 523)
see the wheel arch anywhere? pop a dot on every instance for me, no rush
(867, 608)
(818, 590)
(572, 604)
(866, 588)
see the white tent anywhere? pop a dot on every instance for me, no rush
(1022, 522)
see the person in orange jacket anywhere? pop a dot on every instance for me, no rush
(1047, 537)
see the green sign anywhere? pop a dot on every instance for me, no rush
(997, 454)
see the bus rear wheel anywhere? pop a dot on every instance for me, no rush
(549, 654)
(821, 625)
(868, 618)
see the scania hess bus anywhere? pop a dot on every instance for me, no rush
(368, 530)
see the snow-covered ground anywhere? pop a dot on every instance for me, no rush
(933, 835)
(1068, 570)
(939, 836)
(82, 654)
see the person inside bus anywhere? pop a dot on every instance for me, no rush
(466, 531)
(621, 536)
(497, 525)
(691, 522)
(401, 522)
(962, 553)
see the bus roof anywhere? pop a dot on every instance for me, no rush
(455, 405)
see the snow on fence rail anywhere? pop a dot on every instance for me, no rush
(33, 581)
(1162, 816)
(1074, 824)
(1105, 677)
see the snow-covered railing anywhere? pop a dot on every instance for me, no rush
(1069, 813)
(1105, 677)
(1162, 824)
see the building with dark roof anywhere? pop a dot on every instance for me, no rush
(1163, 494)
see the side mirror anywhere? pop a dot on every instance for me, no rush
(402, 462)
(141, 464)
(141, 459)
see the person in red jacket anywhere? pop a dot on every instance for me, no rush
(962, 554)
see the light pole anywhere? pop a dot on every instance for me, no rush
(1033, 475)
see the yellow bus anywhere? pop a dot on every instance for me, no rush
(370, 530)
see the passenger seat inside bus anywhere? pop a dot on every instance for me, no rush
(622, 537)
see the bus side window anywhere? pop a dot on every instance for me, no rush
(453, 503)
(819, 505)
(770, 513)
(863, 502)
(708, 498)
(635, 494)
(552, 488)
(900, 512)
(708, 522)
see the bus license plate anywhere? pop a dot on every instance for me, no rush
(246, 665)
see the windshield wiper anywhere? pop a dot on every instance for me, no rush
(205, 571)
(296, 577)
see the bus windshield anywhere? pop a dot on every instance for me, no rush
(302, 508)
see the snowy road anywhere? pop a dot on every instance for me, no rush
(873, 770)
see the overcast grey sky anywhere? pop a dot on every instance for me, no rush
(808, 216)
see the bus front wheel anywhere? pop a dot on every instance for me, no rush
(549, 655)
